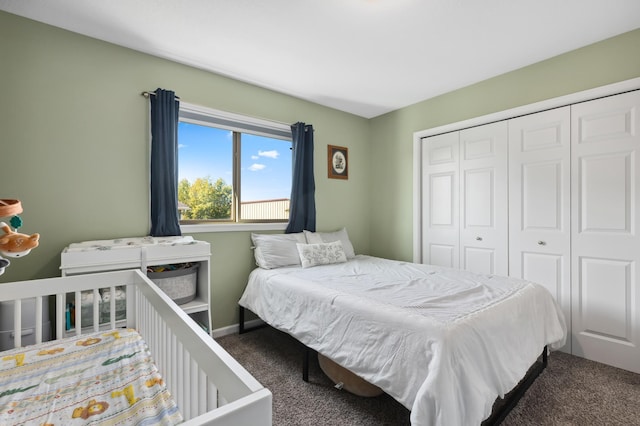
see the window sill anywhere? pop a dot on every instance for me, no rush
(232, 227)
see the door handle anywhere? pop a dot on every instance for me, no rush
(542, 243)
(478, 238)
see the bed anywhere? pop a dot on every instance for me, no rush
(445, 343)
(162, 368)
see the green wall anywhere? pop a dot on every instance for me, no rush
(603, 63)
(74, 148)
(74, 143)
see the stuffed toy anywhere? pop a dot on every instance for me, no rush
(14, 244)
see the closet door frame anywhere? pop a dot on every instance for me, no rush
(586, 95)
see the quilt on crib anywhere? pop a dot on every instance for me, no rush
(98, 378)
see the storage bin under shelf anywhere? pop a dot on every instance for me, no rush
(178, 281)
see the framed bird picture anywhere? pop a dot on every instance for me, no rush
(338, 162)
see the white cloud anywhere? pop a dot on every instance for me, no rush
(271, 154)
(256, 167)
(181, 145)
(254, 157)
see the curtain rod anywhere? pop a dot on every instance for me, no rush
(147, 94)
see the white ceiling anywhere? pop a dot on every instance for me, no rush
(366, 57)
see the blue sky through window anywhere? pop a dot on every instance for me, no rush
(266, 163)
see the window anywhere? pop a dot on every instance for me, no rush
(231, 168)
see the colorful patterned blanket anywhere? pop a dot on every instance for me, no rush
(99, 378)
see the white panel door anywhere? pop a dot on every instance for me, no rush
(605, 226)
(483, 199)
(440, 206)
(540, 203)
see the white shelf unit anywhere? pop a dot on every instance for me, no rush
(140, 253)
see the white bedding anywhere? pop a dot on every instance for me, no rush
(444, 343)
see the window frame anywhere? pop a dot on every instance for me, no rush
(236, 123)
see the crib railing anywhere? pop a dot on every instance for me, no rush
(199, 381)
(56, 291)
(210, 387)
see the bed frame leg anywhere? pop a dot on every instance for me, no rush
(307, 351)
(305, 364)
(497, 417)
(241, 329)
(242, 326)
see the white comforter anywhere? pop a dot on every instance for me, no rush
(444, 343)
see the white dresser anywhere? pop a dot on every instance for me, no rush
(142, 252)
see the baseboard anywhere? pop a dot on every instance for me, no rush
(235, 328)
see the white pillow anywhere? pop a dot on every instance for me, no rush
(321, 254)
(277, 250)
(329, 237)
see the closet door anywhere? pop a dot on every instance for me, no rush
(540, 203)
(483, 199)
(605, 226)
(440, 207)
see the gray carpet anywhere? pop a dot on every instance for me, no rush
(571, 391)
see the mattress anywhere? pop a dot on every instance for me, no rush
(445, 343)
(99, 378)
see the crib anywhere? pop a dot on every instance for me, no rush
(208, 385)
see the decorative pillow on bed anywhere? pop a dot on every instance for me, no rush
(277, 250)
(328, 237)
(321, 254)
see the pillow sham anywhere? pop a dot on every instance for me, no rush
(328, 237)
(277, 250)
(321, 254)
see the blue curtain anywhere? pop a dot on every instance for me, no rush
(164, 164)
(302, 208)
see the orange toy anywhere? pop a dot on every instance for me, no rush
(14, 244)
